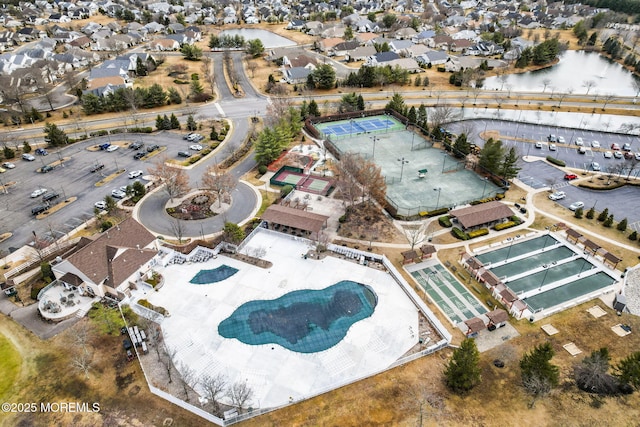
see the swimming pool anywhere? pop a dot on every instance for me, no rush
(305, 321)
(218, 274)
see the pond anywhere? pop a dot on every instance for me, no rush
(269, 39)
(574, 69)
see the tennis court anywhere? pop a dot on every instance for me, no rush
(302, 181)
(403, 156)
(360, 125)
(453, 299)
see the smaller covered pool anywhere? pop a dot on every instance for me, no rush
(305, 321)
(218, 274)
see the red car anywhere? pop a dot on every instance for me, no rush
(615, 146)
(570, 176)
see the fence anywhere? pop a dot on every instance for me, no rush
(43, 254)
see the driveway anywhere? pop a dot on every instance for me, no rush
(29, 317)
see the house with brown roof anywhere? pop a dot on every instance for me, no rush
(497, 318)
(112, 263)
(288, 219)
(484, 214)
(474, 326)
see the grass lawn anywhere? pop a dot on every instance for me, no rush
(10, 366)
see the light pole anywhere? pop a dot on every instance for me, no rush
(486, 179)
(444, 161)
(439, 190)
(413, 135)
(509, 251)
(402, 163)
(374, 139)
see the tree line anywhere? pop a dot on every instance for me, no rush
(124, 99)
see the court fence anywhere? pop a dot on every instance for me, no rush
(285, 168)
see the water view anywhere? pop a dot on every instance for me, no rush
(578, 71)
(269, 39)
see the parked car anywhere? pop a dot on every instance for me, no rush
(112, 148)
(552, 147)
(552, 138)
(637, 156)
(617, 154)
(104, 146)
(136, 145)
(595, 144)
(570, 176)
(28, 157)
(184, 154)
(187, 136)
(50, 196)
(39, 192)
(576, 205)
(626, 147)
(39, 209)
(96, 167)
(561, 139)
(579, 141)
(538, 144)
(607, 154)
(195, 147)
(118, 194)
(102, 205)
(558, 195)
(582, 150)
(194, 137)
(615, 146)
(153, 147)
(46, 168)
(41, 152)
(138, 156)
(595, 166)
(135, 174)
(8, 165)
(628, 155)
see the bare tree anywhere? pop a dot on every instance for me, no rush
(277, 109)
(502, 78)
(537, 386)
(347, 182)
(175, 180)
(177, 227)
(44, 85)
(564, 95)
(415, 234)
(372, 181)
(545, 84)
(636, 86)
(218, 181)
(607, 99)
(81, 361)
(443, 114)
(187, 379)
(240, 394)
(207, 72)
(252, 66)
(168, 354)
(588, 84)
(214, 387)
(424, 401)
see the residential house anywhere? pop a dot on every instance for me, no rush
(399, 46)
(361, 53)
(313, 28)
(433, 57)
(296, 24)
(297, 75)
(111, 264)
(161, 45)
(408, 64)
(405, 33)
(325, 45)
(381, 58)
(341, 49)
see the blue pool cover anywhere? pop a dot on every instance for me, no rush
(305, 321)
(218, 274)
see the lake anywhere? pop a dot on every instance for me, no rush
(269, 39)
(574, 69)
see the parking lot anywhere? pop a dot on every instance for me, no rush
(75, 170)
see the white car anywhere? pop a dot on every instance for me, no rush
(38, 192)
(576, 206)
(194, 137)
(558, 195)
(102, 205)
(617, 154)
(112, 148)
(552, 147)
(561, 139)
(135, 174)
(538, 144)
(579, 141)
(608, 154)
(637, 156)
(118, 194)
(595, 144)
(595, 166)
(8, 165)
(195, 147)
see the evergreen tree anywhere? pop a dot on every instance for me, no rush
(214, 134)
(633, 236)
(166, 122)
(8, 152)
(304, 110)
(191, 123)
(628, 370)
(174, 96)
(232, 233)
(412, 115)
(578, 213)
(461, 146)
(593, 39)
(509, 168)
(324, 76)
(591, 213)
(174, 123)
(55, 136)
(267, 147)
(159, 122)
(622, 225)
(396, 103)
(361, 106)
(491, 156)
(462, 372)
(313, 108)
(539, 375)
(141, 68)
(603, 215)
(608, 222)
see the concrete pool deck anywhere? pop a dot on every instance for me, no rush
(278, 376)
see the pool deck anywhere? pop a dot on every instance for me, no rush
(276, 375)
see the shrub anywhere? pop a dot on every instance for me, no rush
(105, 225)
(262, 169)
(633, 236)
(99, 133)
(591, 213)
(117, 130)
(578, 213)
(459, 234)
(180, 82)
(445, 221)
(608, 222)
(622, 225)
(505, 225)
(477, 233)
(342, 219)
(434, 212)
(603, 215)
(500, 196)
(556, 162)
